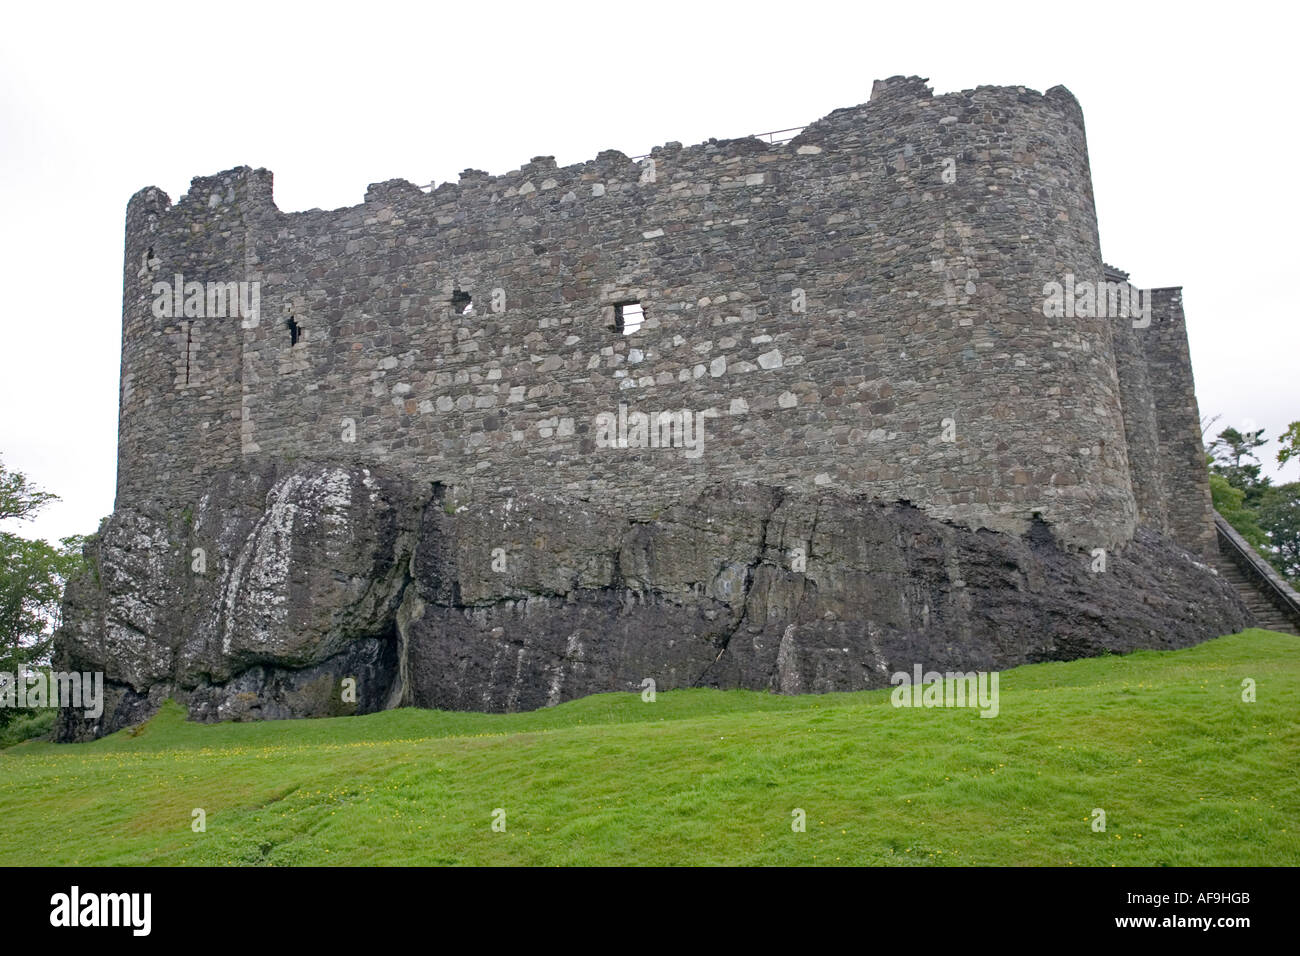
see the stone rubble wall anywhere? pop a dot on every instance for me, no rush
(923, 309)
(1182, 468)
(362, 482)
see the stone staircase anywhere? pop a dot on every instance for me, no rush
(1273, 604)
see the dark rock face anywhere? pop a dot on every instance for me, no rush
(316, 574)
(247, 605)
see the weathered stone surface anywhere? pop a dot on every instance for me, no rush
(844, 267)
(400, 470)
(518, 603)
(274, 573)
(707, 594)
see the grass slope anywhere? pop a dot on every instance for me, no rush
(1186, 772)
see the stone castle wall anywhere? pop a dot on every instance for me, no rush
(923, 322)
(1182, 468)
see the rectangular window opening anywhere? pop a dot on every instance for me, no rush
(628, 317)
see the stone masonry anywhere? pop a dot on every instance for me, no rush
(846, 330)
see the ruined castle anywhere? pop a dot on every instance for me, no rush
(741, 414)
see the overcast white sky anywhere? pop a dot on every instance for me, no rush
(1190, 116)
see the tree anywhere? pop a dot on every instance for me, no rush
(1230, 502)
(1289, 441)
(18, 498)
(32, 577)
(1231, 453)
(1207, 422)
(1279, 517)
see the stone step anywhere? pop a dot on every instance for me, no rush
(1262, 609)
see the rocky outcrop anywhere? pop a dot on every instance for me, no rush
(286, 582)
(248, 605)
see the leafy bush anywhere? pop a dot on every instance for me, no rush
(36, 723)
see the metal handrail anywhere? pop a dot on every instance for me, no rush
(1281, 593)
(793, 130)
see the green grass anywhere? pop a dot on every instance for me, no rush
(1186, 772)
